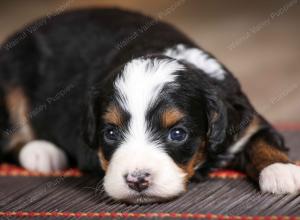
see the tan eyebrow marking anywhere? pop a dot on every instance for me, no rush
(171, 116)
(113, 115)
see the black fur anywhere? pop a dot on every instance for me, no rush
(67, 66)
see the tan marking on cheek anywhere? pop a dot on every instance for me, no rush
(18, 109)
(103, 161)
(113, 115)
(189, 168)
(171, 117)
(197, 158)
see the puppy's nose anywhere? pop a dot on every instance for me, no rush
(138, 180)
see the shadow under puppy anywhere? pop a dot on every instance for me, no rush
(115, 91)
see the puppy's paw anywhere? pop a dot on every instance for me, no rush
(42, 156)
(280, 178)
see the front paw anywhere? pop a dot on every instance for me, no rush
(42, 156)
(280, 178)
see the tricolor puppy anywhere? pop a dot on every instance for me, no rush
(118, 91)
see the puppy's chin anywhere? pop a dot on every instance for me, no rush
(149, 196)
(156, 193)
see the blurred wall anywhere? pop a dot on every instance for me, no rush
(257, 40)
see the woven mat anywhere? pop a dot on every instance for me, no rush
(72, 195)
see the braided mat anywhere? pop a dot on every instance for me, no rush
(73, 195)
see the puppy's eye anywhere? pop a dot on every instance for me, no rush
(111, 134)
(177, 135)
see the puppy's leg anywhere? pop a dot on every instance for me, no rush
(42, 156)
(266, 162)
(33, 155)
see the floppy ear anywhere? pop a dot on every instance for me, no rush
(217, 123)
(89, 120)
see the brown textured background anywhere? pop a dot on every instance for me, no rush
(266, 57)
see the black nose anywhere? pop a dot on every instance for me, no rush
(138, 180)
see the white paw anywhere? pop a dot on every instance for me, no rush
(42, 156)
(280, 178)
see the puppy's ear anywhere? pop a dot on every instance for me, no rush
(90, 121)
(217, 122)
(217, 125)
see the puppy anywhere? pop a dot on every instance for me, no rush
(115, 91)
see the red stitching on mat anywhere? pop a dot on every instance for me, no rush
(13, 170)
(144, 215)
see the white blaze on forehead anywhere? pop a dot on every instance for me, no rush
(198, 58)
(140, 86)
